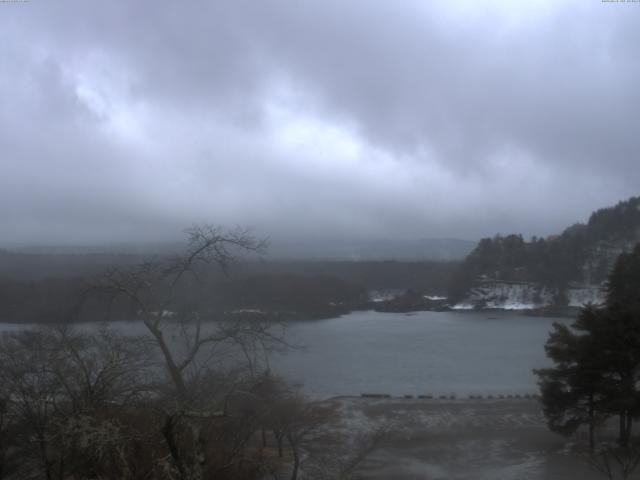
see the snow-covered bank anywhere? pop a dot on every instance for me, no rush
(528, 296)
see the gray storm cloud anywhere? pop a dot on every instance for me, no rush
(130, 120)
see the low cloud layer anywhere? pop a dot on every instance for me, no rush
(127, 121)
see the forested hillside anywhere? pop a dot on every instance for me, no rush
(579, 258)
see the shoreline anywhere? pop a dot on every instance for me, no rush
(459, 439)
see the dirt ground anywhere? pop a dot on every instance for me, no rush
(461, 439)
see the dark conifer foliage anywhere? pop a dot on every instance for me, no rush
(597, 359)
(624, 283)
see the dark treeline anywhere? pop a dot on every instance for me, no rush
(582, 253)
(63, 299)
(295, 293)
(424, 276)
(46, 288)
(37, 266)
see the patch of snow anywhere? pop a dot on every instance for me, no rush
(507, 296)
(163, 314)
(377, 296)
(463, 306)
(527, 296)
(514, 306)
(434, 297)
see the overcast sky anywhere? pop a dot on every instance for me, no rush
(303, 118)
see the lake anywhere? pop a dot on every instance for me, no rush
(438, 353)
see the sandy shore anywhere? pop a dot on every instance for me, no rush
(461, 439)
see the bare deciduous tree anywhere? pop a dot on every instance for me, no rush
(191, 339)
(188, 400)
(153, 286)
(299, 421)
(52, 377)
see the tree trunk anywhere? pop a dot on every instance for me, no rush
(46, 464)
(591, 423)
(279, 442)
(296, 458)
(169, 437)
(174, 371)
(200, 448)
(625, 429)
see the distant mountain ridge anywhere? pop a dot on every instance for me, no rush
(569, 269)
(439, 249)
(332, 249)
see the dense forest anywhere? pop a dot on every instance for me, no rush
(582, 253)
(48, 288)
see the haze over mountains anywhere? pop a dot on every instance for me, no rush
(373, 249)
(339, 249)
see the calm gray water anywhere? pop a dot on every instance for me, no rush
(438, 353)
(422, 353)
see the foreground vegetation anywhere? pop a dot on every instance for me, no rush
(192, 398)
(597, 371)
